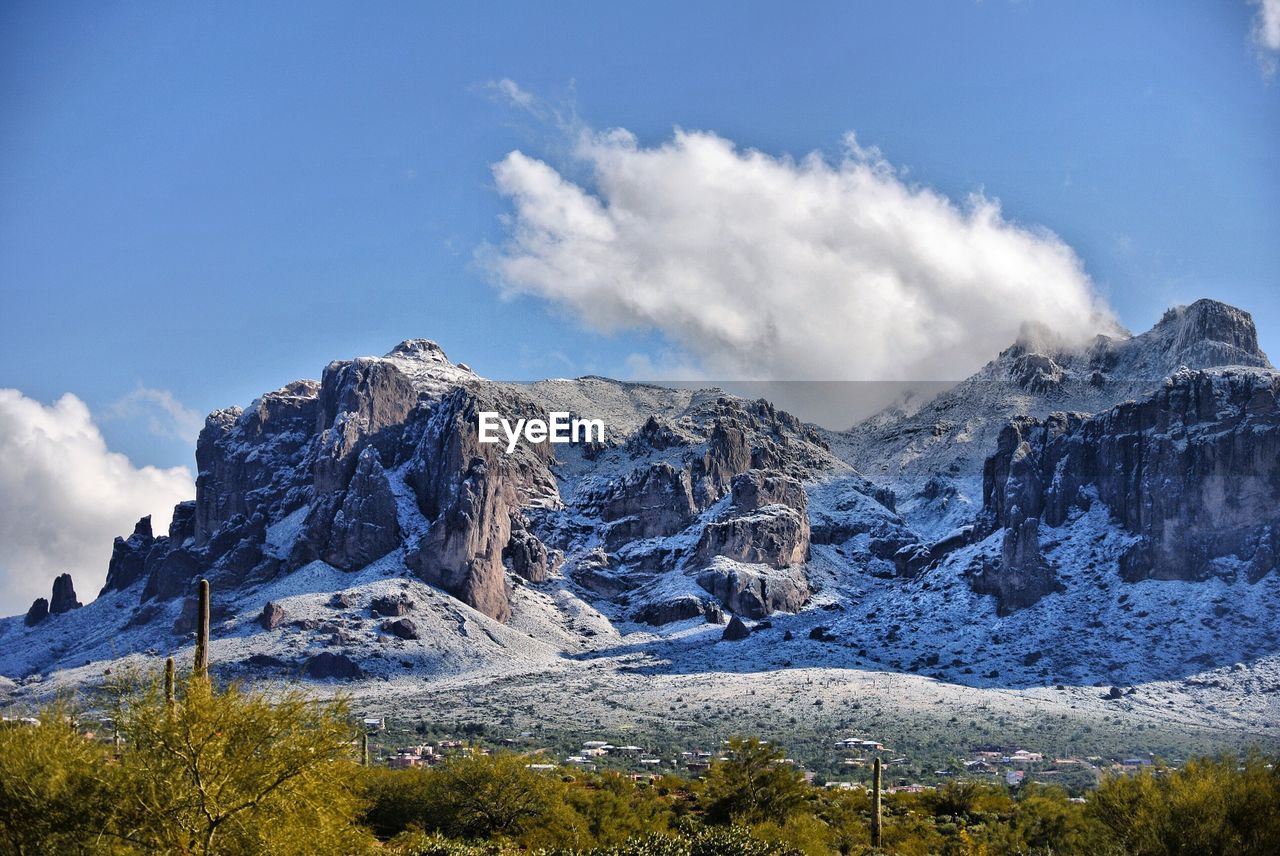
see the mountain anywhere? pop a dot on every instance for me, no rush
(931, 456)
(1069, 516)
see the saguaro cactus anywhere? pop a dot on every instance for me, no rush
(364, 748)
(168, 682)
(201, 669)
(875, 804)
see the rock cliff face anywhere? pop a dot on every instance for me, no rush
(1193, 471)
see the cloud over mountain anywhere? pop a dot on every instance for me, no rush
(759, 266)
(64, 496)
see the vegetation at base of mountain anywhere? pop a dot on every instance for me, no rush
(221, 770)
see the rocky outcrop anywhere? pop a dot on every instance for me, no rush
(650, 503)
(775, 535)
(757, 591)
(1192, 469)
(679, 609)
(755, 489)
(363, 402)
(527, 554)
(171, 574)
(129, 557)
(64, 595)
(254, 459)
(1022, 576)
(470, 492)
(38, 612)
(182, 525)
(391, 605)
(768, 523)
(365, 526)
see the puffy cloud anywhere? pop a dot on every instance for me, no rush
(64, 496)
(164, 415)
(1266, 32)
(769, 267)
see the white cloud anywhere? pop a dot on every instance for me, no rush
(64, 496)
(509, 91)
(1266, 33)
(766, 267)
(164, 414)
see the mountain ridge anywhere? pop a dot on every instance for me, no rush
(322, 502)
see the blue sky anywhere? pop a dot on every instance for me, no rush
(209, 200)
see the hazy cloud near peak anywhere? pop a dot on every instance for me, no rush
(164, 414)
(64, 496)
(769, 267)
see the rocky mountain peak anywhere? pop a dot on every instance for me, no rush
(419, 349)
(1210, 333)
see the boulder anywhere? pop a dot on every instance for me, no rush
(272, 616)
(391, 605)
(402, 628)
(736, 630)
(327, 664)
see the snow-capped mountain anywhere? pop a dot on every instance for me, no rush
(1067, 515)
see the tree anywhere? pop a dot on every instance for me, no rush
(223, 771)
(1207, 807)
(479, 796)
(753, 785)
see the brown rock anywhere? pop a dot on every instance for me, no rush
(272, 616)
(402, 628)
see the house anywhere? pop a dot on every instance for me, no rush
(374, 723)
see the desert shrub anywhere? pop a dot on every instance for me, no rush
(56, 786)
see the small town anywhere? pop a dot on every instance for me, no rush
(853, 756)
